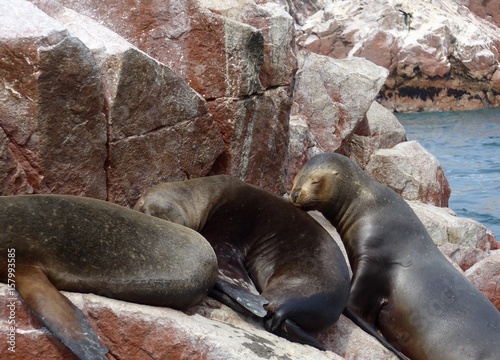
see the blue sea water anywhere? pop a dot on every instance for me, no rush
(467, 144)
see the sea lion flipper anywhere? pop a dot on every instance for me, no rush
(58, 314)
(370, 329)
(293, 332)
(252, 302)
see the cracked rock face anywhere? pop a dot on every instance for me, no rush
(86, 113)
(239, 58)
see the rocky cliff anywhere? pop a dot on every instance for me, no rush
(104, 99)
(441, 55)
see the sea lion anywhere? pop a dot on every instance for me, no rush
(274, 260)
(401, 284)
(92, 246)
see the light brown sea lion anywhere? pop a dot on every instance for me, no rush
(401, 284)
(268, 252)
(92, 246)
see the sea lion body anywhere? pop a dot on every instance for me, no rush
(92, 246)
(265, 246)
(402, 284)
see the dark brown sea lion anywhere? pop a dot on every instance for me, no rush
(402, 284)
(92, 246)
(268, 252)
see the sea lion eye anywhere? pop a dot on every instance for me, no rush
(316, 180)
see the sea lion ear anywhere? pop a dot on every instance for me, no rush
(334, 172)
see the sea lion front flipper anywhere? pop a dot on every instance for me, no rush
(370, 329)
(58, 314)
(290, 330)
(252, 302)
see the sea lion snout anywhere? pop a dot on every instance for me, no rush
(294, 195)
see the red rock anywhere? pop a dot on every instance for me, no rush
(13, 179)
(277, 28)
(485, 275)
(135, 332)
(463, 256)
(151, 113)
(488, 10)
(51, 104)
(441, 56)
(381, 48)
(216, 56)
(230, 64)
(253, 128)
(350, 342)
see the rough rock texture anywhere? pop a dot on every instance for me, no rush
(51, 105)
(445, 227)
(485, 275)
(441, 56)
(325, 115)
(98, 111)
(463, 256)
(209, 330)
(380, 129)
(235, 65)
(487, 9)
(411, 171)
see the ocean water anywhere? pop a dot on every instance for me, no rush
(467, 144)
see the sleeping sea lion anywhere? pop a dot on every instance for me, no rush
(274, 260)
(402, 284)
(86, 245)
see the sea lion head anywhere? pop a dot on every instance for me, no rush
(315, 185)
(152, 203)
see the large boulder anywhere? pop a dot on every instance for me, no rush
(445, 227)
(140, 122)
(235, 55)
(324, 112)
(412, 172)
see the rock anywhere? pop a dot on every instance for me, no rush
(244, 53)
(380, 129)
(277, 29)
(323, 99)
(13, 179)
(412, 172)
(253, 128)
(150, 113)
(301, 146)
(485, 275)
(133, 331)
(350, 342)
(174, 31)
(463, 256)
(488, 10)
(208, 330)
(445, 227)
(301, 10)
(441, 56)
(52, 104)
